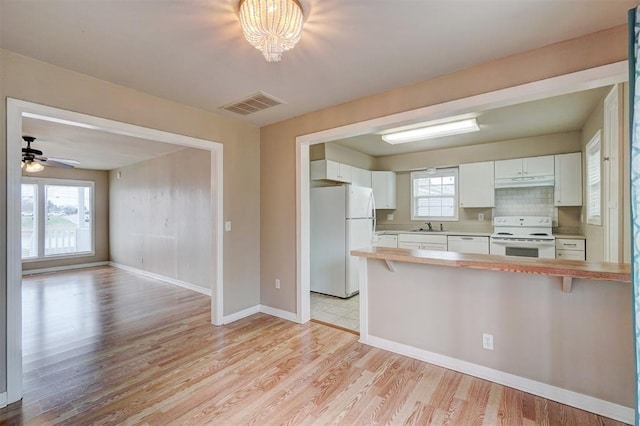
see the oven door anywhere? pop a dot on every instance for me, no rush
(544, 249)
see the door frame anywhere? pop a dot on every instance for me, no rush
(15, 110)
(582, 80)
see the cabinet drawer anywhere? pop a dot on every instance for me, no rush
(570, 254)
(422, 238)
(569, 244)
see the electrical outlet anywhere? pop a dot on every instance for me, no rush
(227, 226)
(487, 341)
(277, 283)
(390, 216)
(481, 216)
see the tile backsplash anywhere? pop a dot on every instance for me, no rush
(536, 201)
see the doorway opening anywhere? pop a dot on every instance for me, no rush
(16, 110)
(579, 81)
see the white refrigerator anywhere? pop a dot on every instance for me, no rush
(342, 219)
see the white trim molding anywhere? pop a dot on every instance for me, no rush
(554, 393)
(3, 399)
(64, 268)
(289, 316)
(168, 280)
(228, 319)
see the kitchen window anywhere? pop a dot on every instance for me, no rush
(434, 194)
(594, 187)
(57, 218)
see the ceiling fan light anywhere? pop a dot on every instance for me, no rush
(33, 167)
(430, 132)
(271, 26)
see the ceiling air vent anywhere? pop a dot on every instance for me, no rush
(254, 103)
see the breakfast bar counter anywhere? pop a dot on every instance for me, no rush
(560, 329)
(567, 269)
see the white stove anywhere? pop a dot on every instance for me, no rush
(525, 236)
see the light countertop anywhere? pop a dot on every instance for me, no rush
(556, 267)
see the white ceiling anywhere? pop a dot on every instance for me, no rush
(193, 52)
(552, 115)
(94, 149)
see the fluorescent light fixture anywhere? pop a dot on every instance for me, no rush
(430, 132)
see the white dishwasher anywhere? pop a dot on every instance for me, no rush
(468, 244)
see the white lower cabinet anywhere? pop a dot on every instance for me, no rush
(570, 249)
(468, 244)
(386, 241)
(422, 242)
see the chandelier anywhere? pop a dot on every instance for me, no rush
(271, 26)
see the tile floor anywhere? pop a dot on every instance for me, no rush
(342, 312)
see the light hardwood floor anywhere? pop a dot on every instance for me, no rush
(103, 346)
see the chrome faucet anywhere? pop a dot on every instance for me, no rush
(429, 226)
(441, 227)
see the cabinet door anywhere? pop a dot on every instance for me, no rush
(476, 184)
(384, 189)
(330, 170)
(360, 177)
(344, 173)
(568, 180)
(506, 169)
(538, 166)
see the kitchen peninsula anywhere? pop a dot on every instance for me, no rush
(555, 328)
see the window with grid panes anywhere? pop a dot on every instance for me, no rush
(434, 195)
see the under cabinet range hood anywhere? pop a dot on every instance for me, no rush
(525, 181)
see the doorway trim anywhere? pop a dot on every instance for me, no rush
(582, 80)
(15, 110)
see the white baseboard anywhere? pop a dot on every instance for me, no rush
(564, 396)
(183, 284)
(289, 316)
(64, 268)
(3, 399)
(241, 314)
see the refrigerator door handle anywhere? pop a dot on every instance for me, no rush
(373, 213)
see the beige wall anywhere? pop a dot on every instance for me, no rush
(100, 215)
(277, 161)
(594, 233)
(580, 341)
(161, 216)
(35, 81)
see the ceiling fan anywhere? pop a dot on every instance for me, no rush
(33, 161)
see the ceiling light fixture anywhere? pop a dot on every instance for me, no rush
(32, 166)
(430, 132)
(271, 26)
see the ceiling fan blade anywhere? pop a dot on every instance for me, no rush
(48, 162)
(68, 161)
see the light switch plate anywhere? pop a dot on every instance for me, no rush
(390, 216)
(227, 226)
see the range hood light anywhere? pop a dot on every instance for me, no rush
(430, 132)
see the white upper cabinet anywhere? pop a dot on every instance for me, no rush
(384, 189)
(476, 184)
(506, 169)
(523, 167)
(360, 177)
(330, 170)
(568, 187)
(538, 166)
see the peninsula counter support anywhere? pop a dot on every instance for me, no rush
(573, 348)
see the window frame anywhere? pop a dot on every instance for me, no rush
(593, 152)
(445, 172)
(40, 208)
